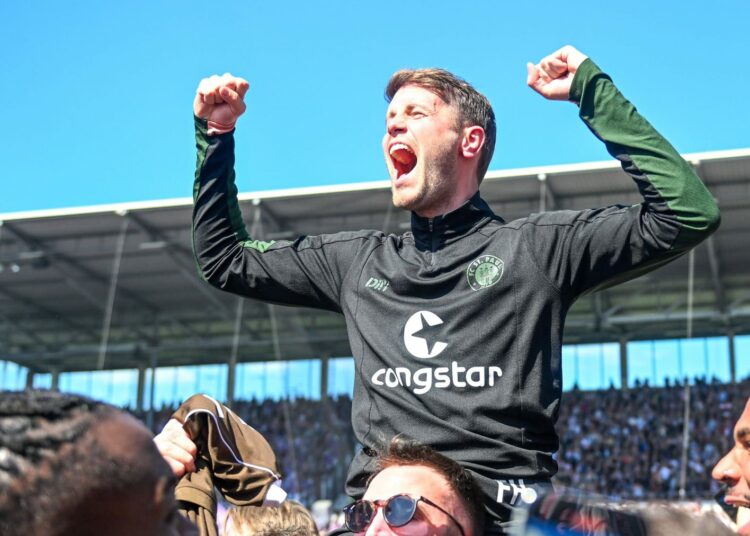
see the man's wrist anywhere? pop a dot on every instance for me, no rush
(211, 128)
(586, 70)
(214, 128)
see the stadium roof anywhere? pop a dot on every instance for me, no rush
(116, 285)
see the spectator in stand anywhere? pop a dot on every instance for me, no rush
(71, 466)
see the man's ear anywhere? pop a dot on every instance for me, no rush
(472, 141)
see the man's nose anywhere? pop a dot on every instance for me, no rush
(726, 470)
(395, 125)
(378, 525)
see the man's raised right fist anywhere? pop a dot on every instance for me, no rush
(219, 100)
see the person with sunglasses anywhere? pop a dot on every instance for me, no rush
(416, 490)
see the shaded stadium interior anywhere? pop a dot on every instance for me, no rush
(116, 287)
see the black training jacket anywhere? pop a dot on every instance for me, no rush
(456, 325)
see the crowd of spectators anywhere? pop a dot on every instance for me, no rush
(626, 444)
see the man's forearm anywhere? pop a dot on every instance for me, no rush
(667, 182)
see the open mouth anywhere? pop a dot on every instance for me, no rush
(403, 158)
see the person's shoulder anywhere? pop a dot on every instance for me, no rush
(363, 235)
(567, 217)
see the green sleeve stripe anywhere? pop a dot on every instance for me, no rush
(203, 144)
(629, 136)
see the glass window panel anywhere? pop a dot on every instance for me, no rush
(569, 367)
(76, 382)
(124, 388)
(303, 378)
(742, 356)
(666, 362)
(693, 356)
(12, 375)
(275, 377)
(251, 381)
(640, 362)
(718, 358)
(165, 381)
(341, 376)
(592, 366)
(611, 359)
(42, 381)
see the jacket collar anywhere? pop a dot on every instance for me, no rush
(434, 232)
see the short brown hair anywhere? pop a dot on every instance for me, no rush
(288, 519)
(404, 451)
(473, 107)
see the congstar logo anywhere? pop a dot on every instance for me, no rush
(417, 328)
(423, 332)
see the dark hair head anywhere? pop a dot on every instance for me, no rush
(48, 465)
(403, 451)
(473, 107)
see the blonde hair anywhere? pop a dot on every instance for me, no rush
(290, 518)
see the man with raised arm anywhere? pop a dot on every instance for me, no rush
(457, 342)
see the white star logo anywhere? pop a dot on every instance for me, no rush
(419, 346)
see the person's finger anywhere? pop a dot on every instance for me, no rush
(553, 67)
(178, 469)
(170, 449)
(198, 105)
(233, 99)
(242, 87)
(186, 444)
(204, 86)
(557, 66)
(532, 74)
(174, 435)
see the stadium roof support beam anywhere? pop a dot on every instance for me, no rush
(715, 267)
(25, 301)
(178, 255)
(277, 223)
(547, 197)
(18, 327)
(33, 243)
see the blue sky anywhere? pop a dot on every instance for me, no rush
(97, 95)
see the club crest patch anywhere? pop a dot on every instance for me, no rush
(484, 272)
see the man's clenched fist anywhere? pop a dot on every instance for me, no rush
(176, 447)
(553, 76)
(219, 100)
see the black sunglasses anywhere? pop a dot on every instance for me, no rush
(397, 512)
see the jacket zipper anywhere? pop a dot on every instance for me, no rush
(430, 226)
